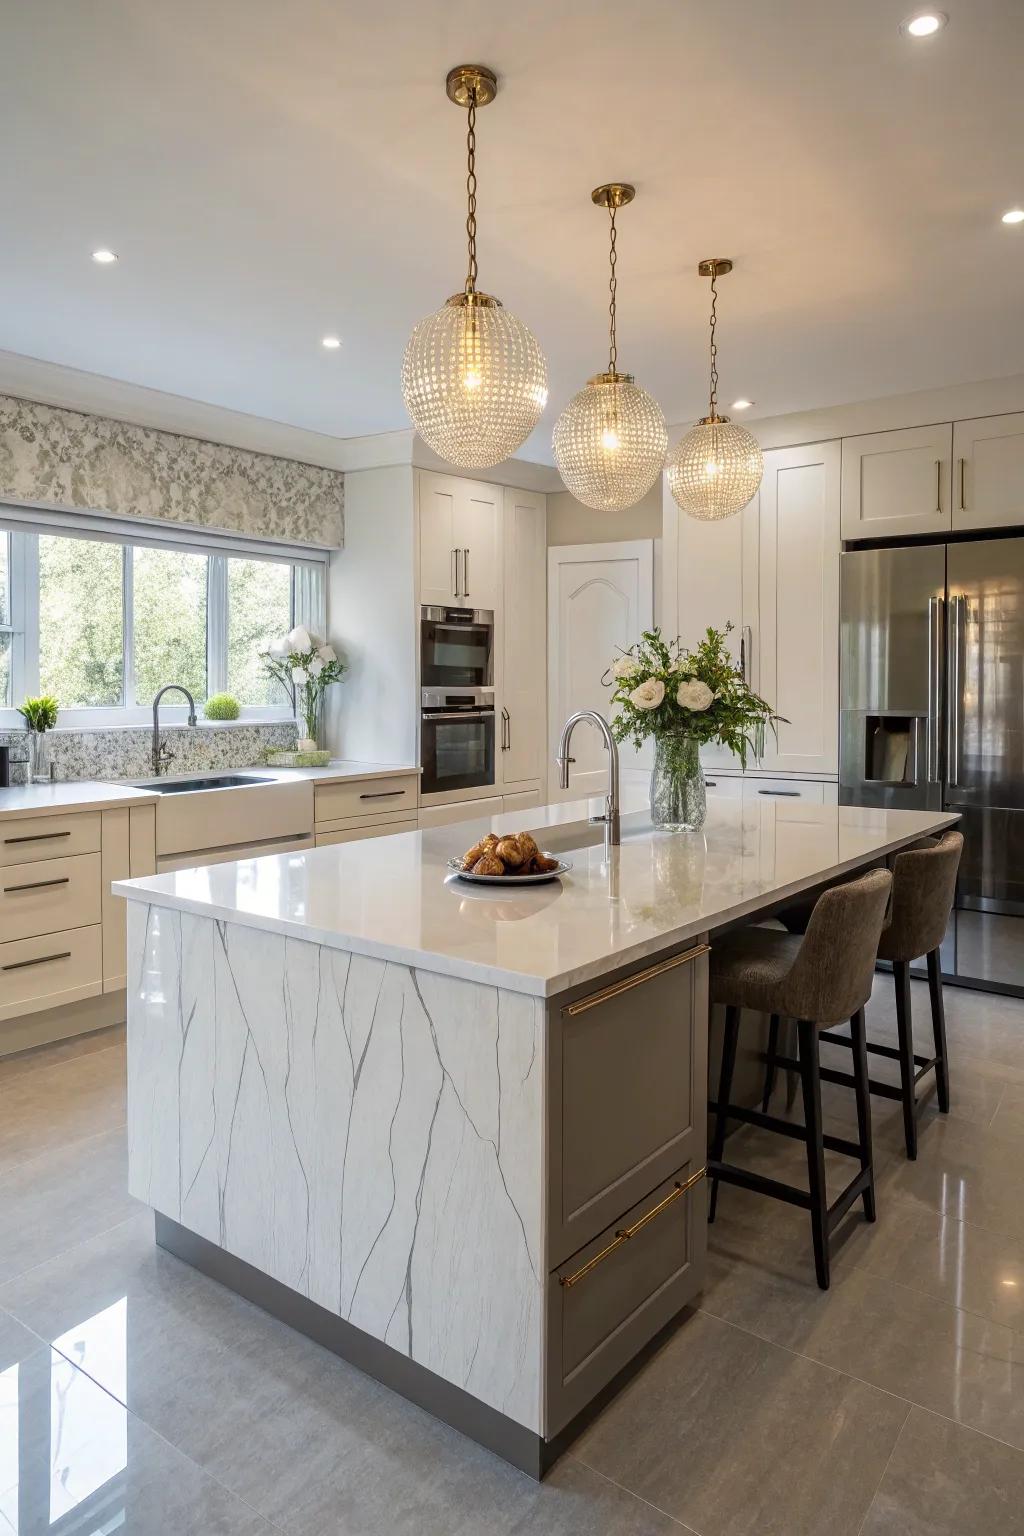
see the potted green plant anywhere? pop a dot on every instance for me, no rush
(40, 716)
(305, 667)
(685, 698)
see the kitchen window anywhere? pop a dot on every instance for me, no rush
(102, 621)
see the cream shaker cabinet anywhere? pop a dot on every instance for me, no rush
(458, 540)
(898, 483)
(522, 628)
(988, 472)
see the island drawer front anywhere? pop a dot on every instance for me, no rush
(608, 1300)
(52, 969)
(26, 839)
(366, 797)
(629, 1090)
(356, 834)
(49, 895)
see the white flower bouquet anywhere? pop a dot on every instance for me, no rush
(305, 667)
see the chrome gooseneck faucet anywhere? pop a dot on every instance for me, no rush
(611, 804)
(162, 758)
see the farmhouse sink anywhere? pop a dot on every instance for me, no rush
(204, 781)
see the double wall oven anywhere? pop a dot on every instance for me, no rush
(456, 700)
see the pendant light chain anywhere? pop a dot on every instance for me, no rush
(613, 351)
(471, 193)
(713, 412)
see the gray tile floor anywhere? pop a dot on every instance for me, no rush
(137, 1395)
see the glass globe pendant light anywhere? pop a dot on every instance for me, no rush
(474, 380)
(610, 440)
(715, 469)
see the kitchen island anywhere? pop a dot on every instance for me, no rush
(456, 1133)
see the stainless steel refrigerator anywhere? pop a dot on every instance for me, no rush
(932, 715)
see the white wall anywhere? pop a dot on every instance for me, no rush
(373, 714)
(570, 522)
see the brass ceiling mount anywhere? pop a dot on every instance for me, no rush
(714, 266)
(614, 194)
(471, 84)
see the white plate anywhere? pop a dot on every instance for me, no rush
(455, 865)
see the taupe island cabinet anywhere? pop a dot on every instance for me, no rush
(416, 1118)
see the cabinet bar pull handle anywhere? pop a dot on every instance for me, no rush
(465, 573)
(624, 1234)
(963, 505)
(628, 982)
(383, 794)
(36, 837)
(455, 573)
(38, 885)
(938, 486)
(792, 794)
(20, 965)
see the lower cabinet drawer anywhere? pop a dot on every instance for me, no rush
(332, 801)
(51, 969)
(29, 838)
(356, 834)
(614, 1295)
(50, 895)
(725, 786)
(812, 790)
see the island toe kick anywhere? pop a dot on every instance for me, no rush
(491, 1201)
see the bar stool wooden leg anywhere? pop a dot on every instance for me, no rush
(770, 1067)
(811, 1084)
(939, 1030)
(729, 1039)
(904, 1025)
(862, 1089)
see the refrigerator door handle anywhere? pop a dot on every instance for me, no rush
(933, 742)
(955, 700)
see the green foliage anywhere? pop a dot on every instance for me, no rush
(222, 706)
(169, 621)
(81, 631)
(39, 714)
(657, 691)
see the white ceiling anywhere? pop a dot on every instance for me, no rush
(272, 170)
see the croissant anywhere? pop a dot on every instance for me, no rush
(543, 865)
(528, 844)
(488, 865)
(510, 851)
(486, 845)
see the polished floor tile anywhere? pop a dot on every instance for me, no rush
(15, 1341)
(732, 1434)
(51, 1107)
(60, 1198)
(43, 1057)
(943, 1480)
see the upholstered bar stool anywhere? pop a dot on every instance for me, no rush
(923, 887)
(821, 979)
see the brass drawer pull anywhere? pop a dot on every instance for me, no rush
(21, 965)
(625, 1233)
(36, 837)
(38, 885)
(638, 980)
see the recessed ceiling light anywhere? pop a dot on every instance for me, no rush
(742, 405)
(1014, 216)
(924, 23)
(330, 342)
(103, 257)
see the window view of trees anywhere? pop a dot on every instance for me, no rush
(81, 625)
(259, 610)
(169, 621)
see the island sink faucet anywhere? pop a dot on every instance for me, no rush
(162, 757)
(611, 803)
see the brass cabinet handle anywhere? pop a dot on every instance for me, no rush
(624, 1234)
(21, 965)
(36, 837)
(638, 980)
(38, 885)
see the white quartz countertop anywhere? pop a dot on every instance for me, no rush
(394, 898)
(75, 795)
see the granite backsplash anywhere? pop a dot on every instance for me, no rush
(126, 752)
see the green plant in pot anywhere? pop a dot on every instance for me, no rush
(684, 699)
(221, 706)
(40, 716)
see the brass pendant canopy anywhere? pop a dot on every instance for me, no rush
(715, 468)
(474, 379)
(609, 442)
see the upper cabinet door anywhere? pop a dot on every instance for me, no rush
(436, 495)
(522, 684)
(897, 483)
(476, 543)
(797, 635)
(988, 472)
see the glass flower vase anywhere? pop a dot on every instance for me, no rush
(678, 794)
(38, 757)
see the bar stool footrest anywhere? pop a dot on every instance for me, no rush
(728, 1173)
(791, 1128)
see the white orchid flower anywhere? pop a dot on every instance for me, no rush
(327, 653)
(298, 639)
(316, 666)
(299, 676)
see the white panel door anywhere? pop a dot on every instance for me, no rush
(476, 543)
(897, 483)
(435, 495)
(988, 472)
(797, 638)
(522, 685)
(600, 599)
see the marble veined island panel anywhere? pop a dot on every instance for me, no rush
(367, 1134)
